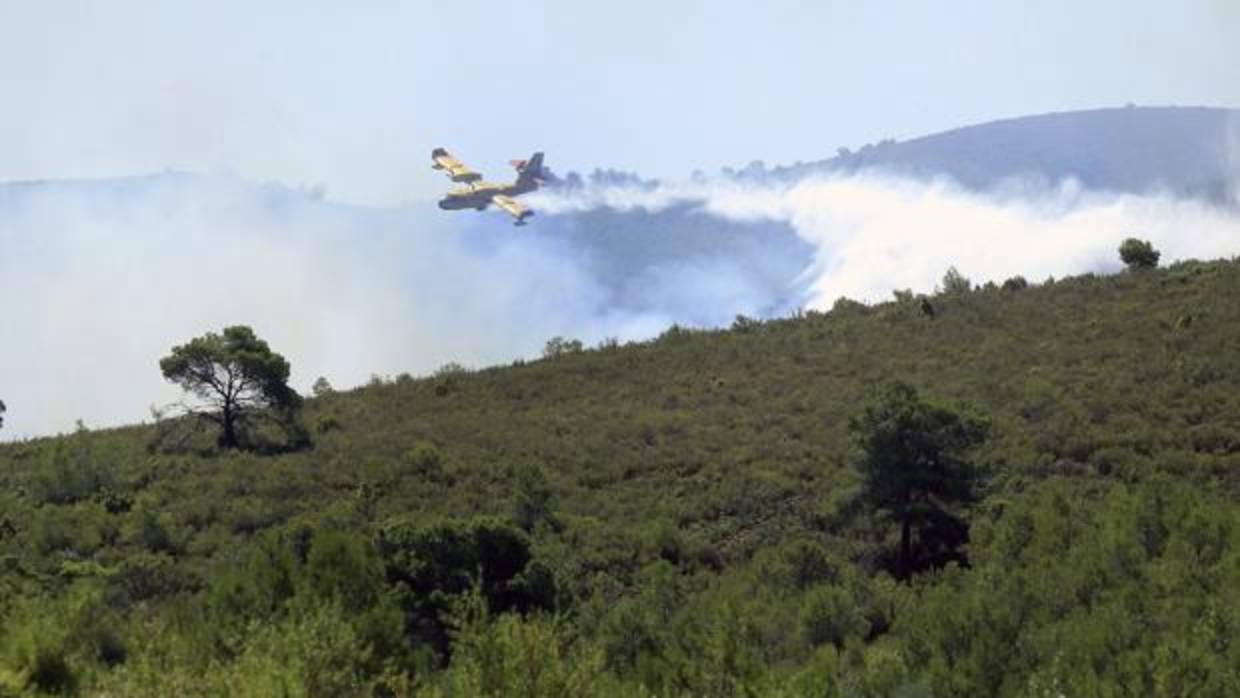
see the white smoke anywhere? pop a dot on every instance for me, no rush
(629, 196)
(99, 280)
(874, 234)
(1233, 154)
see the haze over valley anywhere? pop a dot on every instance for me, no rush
(125, 267)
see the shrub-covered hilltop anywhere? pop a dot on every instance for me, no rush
(688, 516)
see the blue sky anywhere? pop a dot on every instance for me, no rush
(352, 96)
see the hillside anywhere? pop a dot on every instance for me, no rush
(609, 255)
(687, 506)
(1187, 151)
(466, 287)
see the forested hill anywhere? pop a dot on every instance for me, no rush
(1182, 150)
(620, 257)
(678, 517)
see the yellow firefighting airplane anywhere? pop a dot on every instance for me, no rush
(477, 194)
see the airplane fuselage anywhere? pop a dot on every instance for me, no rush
(479, 195)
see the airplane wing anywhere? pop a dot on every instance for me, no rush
(513, 207)
(454, 168)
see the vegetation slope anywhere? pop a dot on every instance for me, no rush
(676, 517)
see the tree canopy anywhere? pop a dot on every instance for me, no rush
(1138, 254)
(236, 377)
(912, 468)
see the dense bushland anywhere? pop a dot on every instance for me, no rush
(687, 516)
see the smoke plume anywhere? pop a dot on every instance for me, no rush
(101, 278)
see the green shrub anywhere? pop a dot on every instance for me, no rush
(321, 387)
(830, 616)
(743, 324)
(432, 563)
(315, 652)
(809, 564)
(1016, 283)
(1138, 254)
(511, 656)
(425, 460)
(844, 307)
(72, 470)
(559, 346)
(328, 423)
(342, 567)
(531, 498)
(143, 576)
(955, 284)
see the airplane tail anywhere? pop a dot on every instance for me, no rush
(530, 172)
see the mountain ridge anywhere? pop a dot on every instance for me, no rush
(1193, 151)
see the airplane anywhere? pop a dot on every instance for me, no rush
(477, 194)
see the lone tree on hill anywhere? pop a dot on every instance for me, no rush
(955, 283)
(237, 377)
(2, 409)
(1139, 254)
(913, 470)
